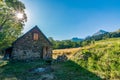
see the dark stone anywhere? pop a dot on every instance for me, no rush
(62, 58)
(26, 47)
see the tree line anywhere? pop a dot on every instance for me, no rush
(57, 44)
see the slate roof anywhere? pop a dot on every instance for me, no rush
(36, 27)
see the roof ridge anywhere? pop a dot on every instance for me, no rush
(30, 31)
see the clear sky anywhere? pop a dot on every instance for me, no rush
(64, 19)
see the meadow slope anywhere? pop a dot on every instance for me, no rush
(101, 58)
(98, 61)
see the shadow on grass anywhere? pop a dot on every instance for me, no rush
(68, 70)
(20, 70)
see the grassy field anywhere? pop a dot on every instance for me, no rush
(98, 61)
(101, 58)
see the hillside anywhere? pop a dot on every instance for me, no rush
(98, 61)
(101, 58)
(104, 35)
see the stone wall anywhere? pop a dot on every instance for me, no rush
(28, 48)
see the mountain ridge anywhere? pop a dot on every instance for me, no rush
(76, 39)
(100, 32)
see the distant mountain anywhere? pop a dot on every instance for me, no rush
(100, 32)
(76, 39)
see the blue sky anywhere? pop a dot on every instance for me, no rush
(64, 19)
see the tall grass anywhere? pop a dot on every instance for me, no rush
(104, 59)
(101, 58)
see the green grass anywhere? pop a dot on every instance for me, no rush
(19, 70)
(71, 71)
(98, 61)
(62, 71)
(101, 58)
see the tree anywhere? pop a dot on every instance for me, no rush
(10, 25)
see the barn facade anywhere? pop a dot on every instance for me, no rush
(32, 45)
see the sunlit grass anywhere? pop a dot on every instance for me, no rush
(97, 61)
(101, 58)
(3, 63)
(69, 52)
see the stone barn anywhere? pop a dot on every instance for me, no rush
(32, 45)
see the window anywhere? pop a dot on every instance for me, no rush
(35, 36)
